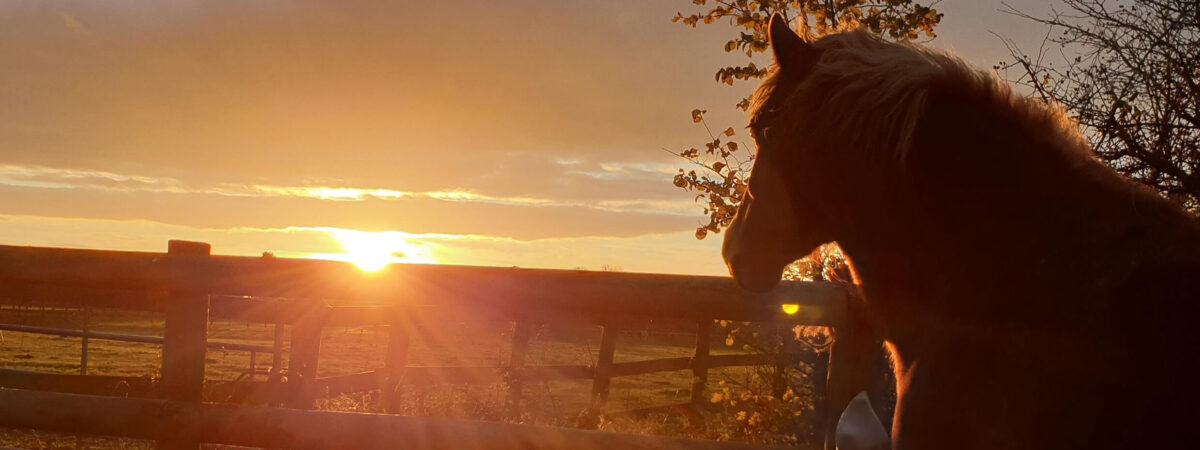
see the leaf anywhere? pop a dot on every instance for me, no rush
(717, 166)
(729, 131)
(698, 115)
(701, 233)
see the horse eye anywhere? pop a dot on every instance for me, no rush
(763, 135)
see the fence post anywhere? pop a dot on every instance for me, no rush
(604, 365)
(520, 347)
(253, 361)
(700, 361)
(186, 329)
(397, 359)
(277, 357)
(306, 349)
(852, 364)
(83, 354)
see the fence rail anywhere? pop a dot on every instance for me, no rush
(215, 345)
(191, 287)
(284, 428)
(140, 281)
(75, 384)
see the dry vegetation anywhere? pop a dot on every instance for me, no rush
(444, 340)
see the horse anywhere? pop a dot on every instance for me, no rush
(1029, 296)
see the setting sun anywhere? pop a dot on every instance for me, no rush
(372, 252)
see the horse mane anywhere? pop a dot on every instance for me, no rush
(872, 94)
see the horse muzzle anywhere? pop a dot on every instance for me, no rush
(751, 274)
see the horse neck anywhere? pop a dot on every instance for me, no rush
(996, 213)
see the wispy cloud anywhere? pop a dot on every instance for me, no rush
(41, 177)
(318, 192)
(56, 178)
(72, 23)
(619, 171)
(666, 253)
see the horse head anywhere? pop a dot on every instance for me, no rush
(833, 123)
(781, 217)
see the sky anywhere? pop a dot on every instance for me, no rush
(502, 133)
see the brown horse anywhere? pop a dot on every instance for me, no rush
(1031, 297)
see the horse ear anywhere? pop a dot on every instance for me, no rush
(791, 51)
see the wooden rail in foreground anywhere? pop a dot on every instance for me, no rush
(191, 287)
(288, 428)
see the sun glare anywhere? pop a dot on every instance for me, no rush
(790, 308)
(372, 252)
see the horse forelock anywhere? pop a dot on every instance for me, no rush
(868, 96)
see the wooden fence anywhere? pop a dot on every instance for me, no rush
(190, 287)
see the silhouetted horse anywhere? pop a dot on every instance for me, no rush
(1031, 297)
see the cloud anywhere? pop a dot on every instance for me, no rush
(343, 90)
(72, 23)
(57, 178)
(527, 122)
(656, 253)
(411, 214)
(39, 177)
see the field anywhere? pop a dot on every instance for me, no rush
(447, 339)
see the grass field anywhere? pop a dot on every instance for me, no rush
(437, 340)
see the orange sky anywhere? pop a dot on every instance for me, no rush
(512, 133)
